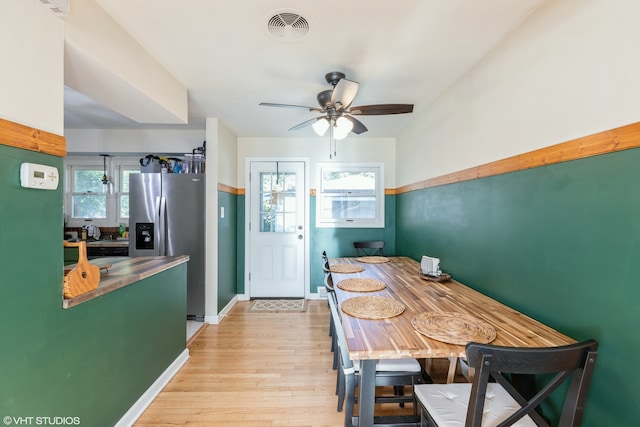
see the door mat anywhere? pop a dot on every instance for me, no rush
(280, 305)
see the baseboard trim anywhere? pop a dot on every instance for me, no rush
(214, 320)
(148, 396)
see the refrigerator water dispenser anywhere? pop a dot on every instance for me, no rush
(144, 235)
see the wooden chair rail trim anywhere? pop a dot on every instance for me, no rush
(228, 189)
(618, 139)
(20, 136)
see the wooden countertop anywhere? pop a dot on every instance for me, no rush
(108, 243)
(396, 337)
(123, 272)
(104, 243)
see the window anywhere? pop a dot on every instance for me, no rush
(85, 200)
(123, 192)
(278, 202)
(350, 195)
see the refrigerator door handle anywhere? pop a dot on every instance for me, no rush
(162, 227)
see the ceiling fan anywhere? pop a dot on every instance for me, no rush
(336, 110)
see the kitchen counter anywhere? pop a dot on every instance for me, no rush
(124, 271)
(108, 243)
(97, 249)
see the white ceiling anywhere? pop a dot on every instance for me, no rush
(408, 51)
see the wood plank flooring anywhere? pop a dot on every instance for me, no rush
(257, 370)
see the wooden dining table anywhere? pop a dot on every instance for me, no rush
(396, 337)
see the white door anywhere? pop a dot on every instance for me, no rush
(277, 229)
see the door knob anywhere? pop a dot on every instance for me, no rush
(299, 236)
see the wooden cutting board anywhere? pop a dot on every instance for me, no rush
(82, 278)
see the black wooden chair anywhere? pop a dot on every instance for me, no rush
(389, 372)
(328, 285)
(372, 248)
(499, 403)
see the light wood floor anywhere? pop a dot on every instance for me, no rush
(257, 370)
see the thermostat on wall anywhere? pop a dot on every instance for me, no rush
(38, 176)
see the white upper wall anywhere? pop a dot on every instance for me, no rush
(134, 141)
(32, 70)
(227, 157)
(569, 71)
(105, 63)
(356, 149)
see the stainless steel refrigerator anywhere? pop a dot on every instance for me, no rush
(167, 217)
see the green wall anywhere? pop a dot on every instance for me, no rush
(240, 247)
(336, 241)
(560, 243)
(227, 249)
(92, 361)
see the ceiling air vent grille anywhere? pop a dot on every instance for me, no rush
(58, 7)
(288, 26)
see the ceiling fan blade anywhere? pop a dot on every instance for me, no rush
(297, 107)
(343, 93)
(381, 109)
(358, 126)
(306, 123)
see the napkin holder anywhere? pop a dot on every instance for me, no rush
(430, 266)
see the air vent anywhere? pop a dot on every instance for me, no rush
(288, 26)
(58, 7)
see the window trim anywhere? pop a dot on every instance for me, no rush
(114, 166)
(118, 192)
(378, 221)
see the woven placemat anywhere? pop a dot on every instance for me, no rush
(453, 328)
(346, 268)
(373, 259)
(361, 284)
(372, 308)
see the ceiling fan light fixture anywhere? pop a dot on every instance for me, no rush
(107, 185)
(342, 128)
(321, 126)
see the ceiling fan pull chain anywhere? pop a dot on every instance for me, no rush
(332, 142)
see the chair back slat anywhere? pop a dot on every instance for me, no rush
(326, 269)
(575, 361)
(347, 364)
(374, 247)
(577, 393)
(328, 282)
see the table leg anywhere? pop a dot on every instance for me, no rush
(367, 391)
(453, 365)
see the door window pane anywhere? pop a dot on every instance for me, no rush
(278, 202)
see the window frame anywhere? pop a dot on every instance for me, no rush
(121, 168)
(378, 193)
(115, 166)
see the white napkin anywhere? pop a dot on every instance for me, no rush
(93, 231)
